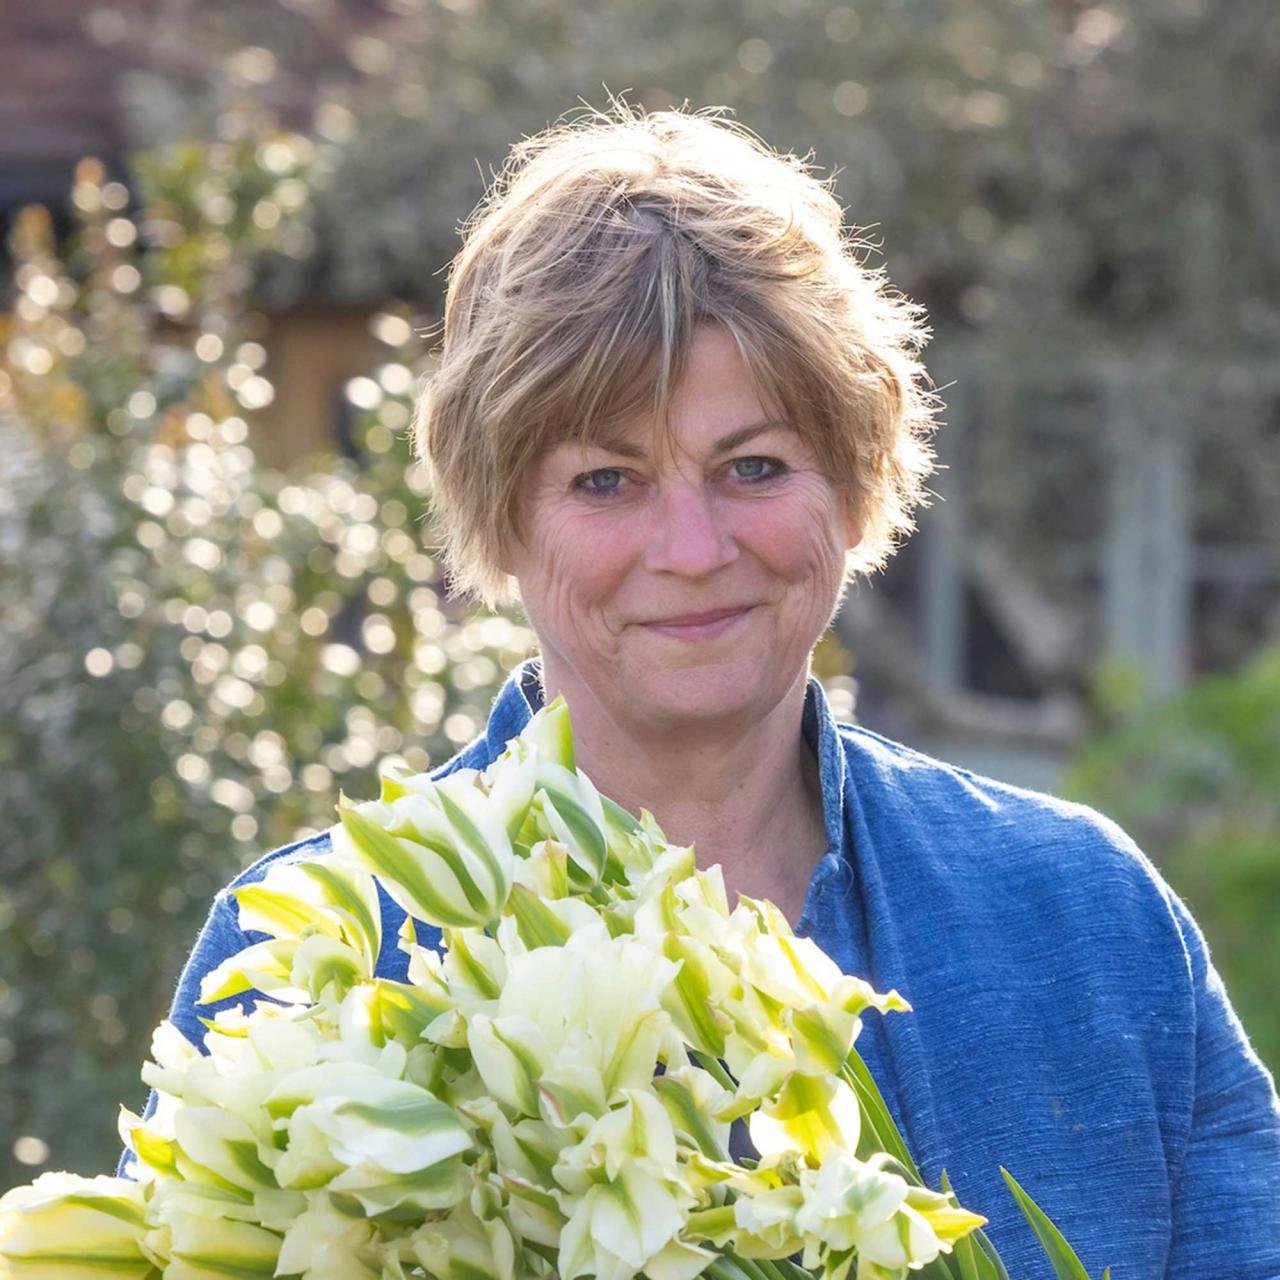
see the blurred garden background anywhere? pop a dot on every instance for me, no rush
(226, 227)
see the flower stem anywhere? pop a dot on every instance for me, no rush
(788, 1270)
(755, 1268)
(716, 1069)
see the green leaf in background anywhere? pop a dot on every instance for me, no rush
(1195, 780)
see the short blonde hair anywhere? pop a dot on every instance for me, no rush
(573, 301)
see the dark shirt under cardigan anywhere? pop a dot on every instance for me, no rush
(1067, 1021)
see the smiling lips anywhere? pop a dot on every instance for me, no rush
(699, 626)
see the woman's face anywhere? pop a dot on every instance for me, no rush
(690, 583)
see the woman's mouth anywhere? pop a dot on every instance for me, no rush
(699, 626)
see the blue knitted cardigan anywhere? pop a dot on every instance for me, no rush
(1067, 1021)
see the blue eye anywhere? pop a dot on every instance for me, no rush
(756, 469)
(604, 481)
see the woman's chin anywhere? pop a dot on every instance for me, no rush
(735, 688)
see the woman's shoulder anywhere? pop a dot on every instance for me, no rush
(305, 849)
(990, 830)
(927, 779)
(1034, 892)
(318, 844)
(222, 935)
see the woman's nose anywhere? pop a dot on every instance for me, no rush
(690, 536)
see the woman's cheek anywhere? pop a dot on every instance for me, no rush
(579, 565)
(799, 544)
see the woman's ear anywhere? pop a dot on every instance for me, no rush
(510, 552)
(853, 524)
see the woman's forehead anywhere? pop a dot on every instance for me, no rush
(641, 439)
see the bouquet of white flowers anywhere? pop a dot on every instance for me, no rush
(551, 1096)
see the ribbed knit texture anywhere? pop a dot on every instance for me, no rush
(1067, 1020)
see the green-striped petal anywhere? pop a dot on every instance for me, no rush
(206, 1248)
(66, 1226)
(419, 880)
(573, 813)
(551, 732)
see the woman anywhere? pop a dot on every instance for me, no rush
(674, 415)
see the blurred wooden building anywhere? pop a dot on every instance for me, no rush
(62, 70)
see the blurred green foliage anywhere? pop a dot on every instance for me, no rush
(195, 653)
(1035, 168)
(1196, 781)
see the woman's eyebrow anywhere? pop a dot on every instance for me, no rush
(739, 437)
(731, 440)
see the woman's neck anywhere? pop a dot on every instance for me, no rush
(749, 797)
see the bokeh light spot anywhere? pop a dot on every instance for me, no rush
(30, 1150)
(99, 662)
